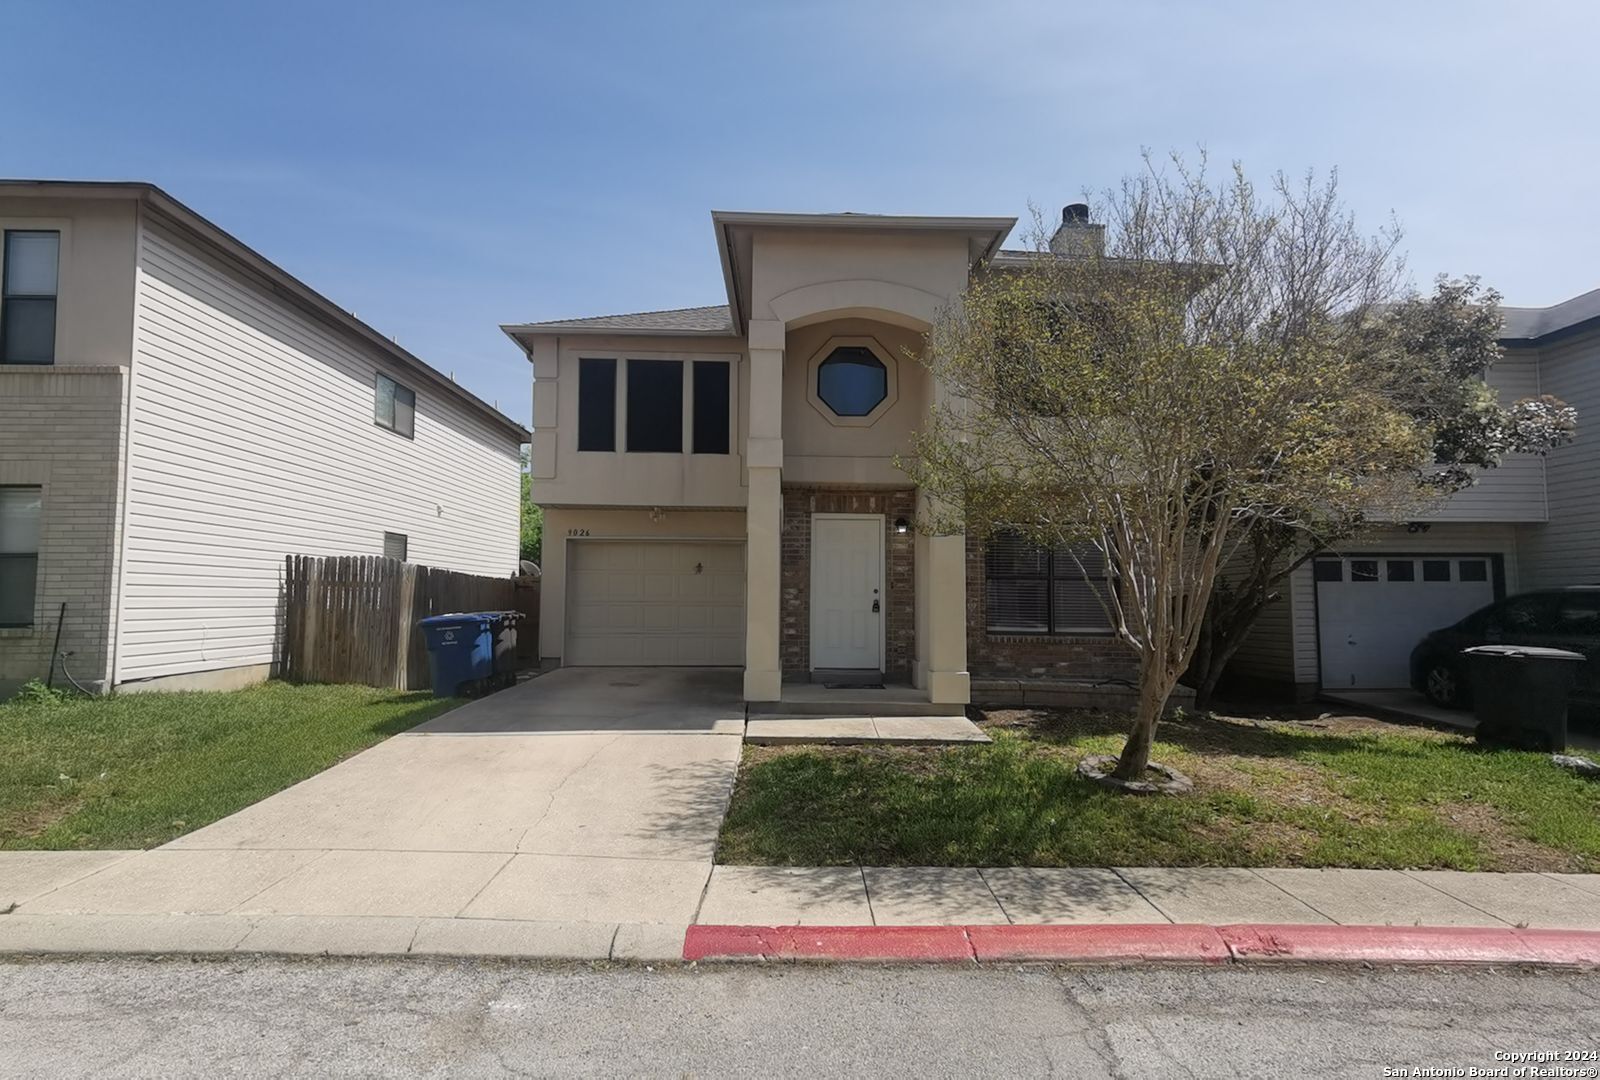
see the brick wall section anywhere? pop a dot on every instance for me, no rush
(61, 429)
(899, 603)
(1086, 657)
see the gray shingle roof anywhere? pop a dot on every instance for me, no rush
(1526, 325)
(713, 319)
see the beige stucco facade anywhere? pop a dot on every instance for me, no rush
(799, 289)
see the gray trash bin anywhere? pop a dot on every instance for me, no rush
(1519, 694)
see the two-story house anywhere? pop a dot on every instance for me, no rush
(720, 488)
(177, 414)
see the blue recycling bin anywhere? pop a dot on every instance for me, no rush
(460, 651)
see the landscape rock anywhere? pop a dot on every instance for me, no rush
(1580, 765)
(1159, 779)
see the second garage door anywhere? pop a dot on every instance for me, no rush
(1373, 609)
(655, 603)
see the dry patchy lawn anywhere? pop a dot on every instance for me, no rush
(1291, 787)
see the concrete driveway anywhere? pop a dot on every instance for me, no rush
(589, 795)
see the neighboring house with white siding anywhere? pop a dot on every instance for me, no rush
(177, 414)
(1348, 620)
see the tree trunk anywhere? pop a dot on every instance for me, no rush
(1209, 675)
(1217, 660)
(1135, 757)
(1202, 674)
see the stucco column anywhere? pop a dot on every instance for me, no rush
(942, 600)
(942, 663)
(763, 671)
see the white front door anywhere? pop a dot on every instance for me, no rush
(846, 592)
(1372, 610)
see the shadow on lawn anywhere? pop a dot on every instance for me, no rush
(1201, 734)
(402, 710)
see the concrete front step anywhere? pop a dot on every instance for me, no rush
(795, 710)
(813, 699)
(1014, 693)
(853, 730)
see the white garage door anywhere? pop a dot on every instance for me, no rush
(1373, 609)
(655, 603)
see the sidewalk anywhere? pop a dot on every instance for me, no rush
(109, 902)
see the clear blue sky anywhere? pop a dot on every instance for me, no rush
(443, 168)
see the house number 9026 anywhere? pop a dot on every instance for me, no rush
(577, 532)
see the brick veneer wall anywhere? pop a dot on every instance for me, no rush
(1087, 657)
(61, 430)
(899, 599)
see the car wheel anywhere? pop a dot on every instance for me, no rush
(1443, 686)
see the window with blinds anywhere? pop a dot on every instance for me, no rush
(1032, 590)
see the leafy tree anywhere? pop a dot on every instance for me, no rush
(1430, 355)
(1202, 376)
(532, 517)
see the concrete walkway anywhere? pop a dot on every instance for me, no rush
(853, 730)
(131, 902)
(1038, 896)
(587, 796)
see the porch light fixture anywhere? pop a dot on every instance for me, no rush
(902, 526)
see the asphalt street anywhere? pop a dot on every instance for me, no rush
(138, 1017)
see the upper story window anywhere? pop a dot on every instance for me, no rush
(394, 407)
(711, 399)
(852, 381)
(1034, 590)
(653, 401)
(28, 279)
(597, 403)
(19, 553)
(655, 406)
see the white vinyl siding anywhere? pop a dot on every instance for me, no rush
(1567, 550)
(1282, 646)
(253, 438)
(1514, 491)
(1267, 652)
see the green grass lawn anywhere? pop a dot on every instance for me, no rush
(137, 770)
(1339, 791)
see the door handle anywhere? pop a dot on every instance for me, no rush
(874, 607)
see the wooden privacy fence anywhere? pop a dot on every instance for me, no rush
(353, 618)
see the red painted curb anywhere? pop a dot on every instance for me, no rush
(1254, 943)
(1108, 943)
(1163, 943)
(906, 943)
(1571, 947)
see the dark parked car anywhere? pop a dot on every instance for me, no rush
(1559, 618)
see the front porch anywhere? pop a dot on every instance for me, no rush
(838, 577)
(819, 699)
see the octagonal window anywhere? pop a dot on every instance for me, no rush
(852, 381)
